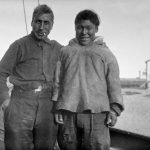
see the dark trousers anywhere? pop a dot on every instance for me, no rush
(84, 131)
(29, 122)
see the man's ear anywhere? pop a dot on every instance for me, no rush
(96, 29)
(33, 19)
(31, 23)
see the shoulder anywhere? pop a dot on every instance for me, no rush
(68, 50)
(16, 44)
(56, 46)
(56, 43)
(23, 39)
(21, 42)
(65, 48)
(106, 53)
(102, 48)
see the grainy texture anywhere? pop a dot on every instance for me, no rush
(136, 117)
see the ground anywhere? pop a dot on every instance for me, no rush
(135, 117)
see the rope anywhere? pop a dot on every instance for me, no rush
(25, 17)
(38, 2)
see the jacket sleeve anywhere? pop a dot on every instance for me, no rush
(114, 85)
(7, 64)
(56, 81)
(58, 77)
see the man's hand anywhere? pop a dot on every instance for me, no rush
(111, 118)
(59, 117)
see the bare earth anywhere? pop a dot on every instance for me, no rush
(136, 116)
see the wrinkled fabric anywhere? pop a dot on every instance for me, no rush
(87, 78)
(28, 62)
(83, 131)
(29, 122)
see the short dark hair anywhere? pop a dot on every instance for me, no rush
(42, 9)
(88, 15)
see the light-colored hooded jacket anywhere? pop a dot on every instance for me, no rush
(87, 78)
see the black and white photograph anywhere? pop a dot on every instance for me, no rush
(75, 75)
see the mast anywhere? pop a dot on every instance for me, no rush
(25, 16)
(146, 62)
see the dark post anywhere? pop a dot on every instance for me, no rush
(146, 85)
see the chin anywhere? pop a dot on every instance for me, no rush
(40, 38)
(84, 43)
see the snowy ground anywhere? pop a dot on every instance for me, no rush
(136, 117)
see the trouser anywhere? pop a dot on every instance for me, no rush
(84, 131)
(29, 122)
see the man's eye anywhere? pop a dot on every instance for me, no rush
(46, 22)
(89, 28)
(38, 21)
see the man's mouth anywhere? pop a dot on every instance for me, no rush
(41, 33)
(84, 38)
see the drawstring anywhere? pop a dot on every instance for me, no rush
(91, 124)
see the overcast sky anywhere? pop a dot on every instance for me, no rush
(125, 26)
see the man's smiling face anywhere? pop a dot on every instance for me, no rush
(85, 32)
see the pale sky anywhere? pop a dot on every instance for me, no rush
(125, 26)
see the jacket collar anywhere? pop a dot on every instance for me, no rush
(98, 40)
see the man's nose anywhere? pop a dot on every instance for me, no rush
(42, 25)
(84, 31)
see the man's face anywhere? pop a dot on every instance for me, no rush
(41, 26)
(85, 32)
